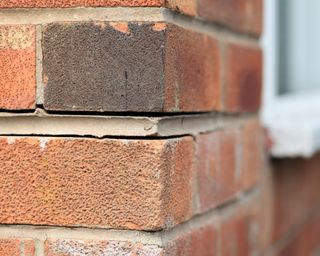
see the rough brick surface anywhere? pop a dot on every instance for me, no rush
(103, 67)
(243, 74)
(105, 183)
(76, 3)
(63, 247)
(17, 67)
(240, 15)
(219, 175)
(135, 67)
(16, 247)
(9, 247)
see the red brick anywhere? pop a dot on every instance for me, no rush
(17, 67)
(185, 6)
(305, 241)
(77, 3)
(29, 248)
(192, 68)
(134, 184)
(218, 174)
(16, 247)
(9, 247)
(296, 189)
(201, 241)
(240, 231)
(239, 15)
(63, 247)
(243, 75)
(252, 141)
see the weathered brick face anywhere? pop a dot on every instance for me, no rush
(146, 67)
(17, 67)
(104, 67)
(123, 184)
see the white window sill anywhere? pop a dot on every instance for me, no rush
(294, 125)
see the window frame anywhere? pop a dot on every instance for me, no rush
(293, 120)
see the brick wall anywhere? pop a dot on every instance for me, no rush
(132, 130)
(292, 213)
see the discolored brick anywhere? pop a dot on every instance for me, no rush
(100, 67)
(138, 67)
(143, 185)
(77, 3)
(62, 247)
(240, 15)
(243, 75)
(17, 67)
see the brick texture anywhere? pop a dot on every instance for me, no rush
(291, 211)
(305, 241)
(253, 153)
(143, 185)
(243, 74)
(134, 67)
(228, 163)
(239, 232)
(192, 71)
(217, 168)
(77, 3)
(17, 67)
(197, 194)
(16, 247)
(239, 15)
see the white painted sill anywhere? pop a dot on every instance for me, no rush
(293, 122)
